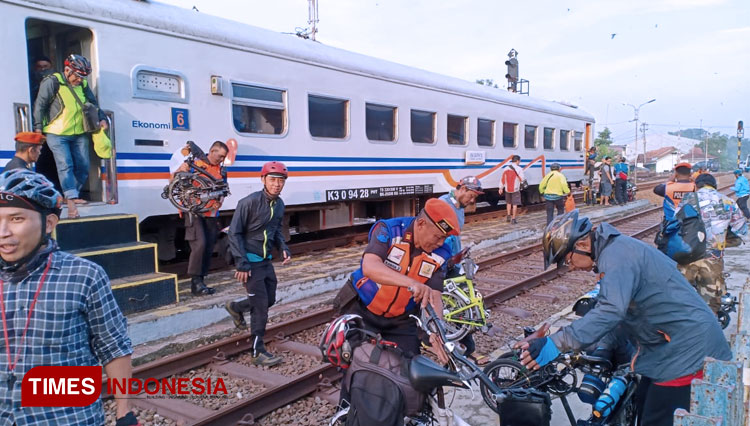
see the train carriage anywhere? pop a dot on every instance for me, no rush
(362, 137)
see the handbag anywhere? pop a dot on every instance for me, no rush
(523, 184)
(102, 144)
(89, 111)
(570, 203)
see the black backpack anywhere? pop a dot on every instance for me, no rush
(684, 236)
(377, 387)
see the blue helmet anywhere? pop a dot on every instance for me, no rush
(738, 172)
(32, 187)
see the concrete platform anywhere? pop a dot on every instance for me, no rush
(309, 280)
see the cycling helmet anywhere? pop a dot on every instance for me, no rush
(38, 192)
(554, 166)
(338, 340)
(274, 168)
(561, 235)
(705, 179)
(737, 172)
(78, 64)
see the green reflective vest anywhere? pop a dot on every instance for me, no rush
(70, 120)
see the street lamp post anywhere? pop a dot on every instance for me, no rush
(740, 134)
(635, 113)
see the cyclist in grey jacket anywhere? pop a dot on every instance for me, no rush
(255, 230)
(671, 327)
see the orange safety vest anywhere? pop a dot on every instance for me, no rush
(388, 300)
(674, 191)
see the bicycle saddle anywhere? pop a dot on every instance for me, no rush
(425, 375)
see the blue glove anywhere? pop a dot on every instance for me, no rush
(543, 350)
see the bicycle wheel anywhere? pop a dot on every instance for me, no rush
(455, 330)
(504, 373)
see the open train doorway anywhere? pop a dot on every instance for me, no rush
(48, 44)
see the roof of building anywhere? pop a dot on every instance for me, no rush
(696, 154)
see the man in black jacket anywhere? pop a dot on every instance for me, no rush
(255, 230)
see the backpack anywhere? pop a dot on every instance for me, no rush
(377, 386)
(683, 238)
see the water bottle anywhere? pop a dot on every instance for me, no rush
(607, 401)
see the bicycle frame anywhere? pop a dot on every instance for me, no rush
(471, 299)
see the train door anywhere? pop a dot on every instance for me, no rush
(48, 44)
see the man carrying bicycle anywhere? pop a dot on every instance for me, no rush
(401, 272)
(671, 326)
(201, 231)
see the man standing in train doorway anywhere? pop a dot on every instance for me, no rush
(201, 231)
(59, 113)
(255, 230)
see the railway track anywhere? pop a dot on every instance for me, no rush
(501, 278)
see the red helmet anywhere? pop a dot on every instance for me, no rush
(335, 342)
(79, 64)
(276, 168)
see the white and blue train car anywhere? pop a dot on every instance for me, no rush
(361, 136)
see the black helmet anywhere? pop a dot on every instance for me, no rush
(78, 64)
(554, 166)
(561, 235)
(705, 179)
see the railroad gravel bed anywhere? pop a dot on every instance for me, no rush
(145, 417)
(305, 412)
(293, 364)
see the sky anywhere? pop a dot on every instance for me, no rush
(692, 56)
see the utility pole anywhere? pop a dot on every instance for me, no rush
(740, 134)
(635, 141)
(644, 127)
(312, 17)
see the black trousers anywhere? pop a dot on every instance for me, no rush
(660, 402)
(621, 191)
(261, 295)
(200, 233)
(551, 204)
(742, 202)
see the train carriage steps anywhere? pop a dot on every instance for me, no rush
(113, 242)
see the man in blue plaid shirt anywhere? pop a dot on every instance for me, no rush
(57, 309)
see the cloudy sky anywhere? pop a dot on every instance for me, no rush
(692, 56)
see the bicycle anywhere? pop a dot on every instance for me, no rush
(559, 378)
(195, 192)
(463, 304)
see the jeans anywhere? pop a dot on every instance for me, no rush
(72, 159)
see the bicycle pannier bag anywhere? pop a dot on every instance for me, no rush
(685, 233)
(525, 407)
(378, 387)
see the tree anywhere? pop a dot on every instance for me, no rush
(487, 82)
(602, 143)
(697, 134)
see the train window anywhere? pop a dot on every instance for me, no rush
(422, 126)
(529, 139)
(549, 138)
(380, 122)
(259, 110)
(564, 140)
(159, 84)
(578, 141)
(510, 130)
(485, 132)
(327, 117)
(457, 129)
